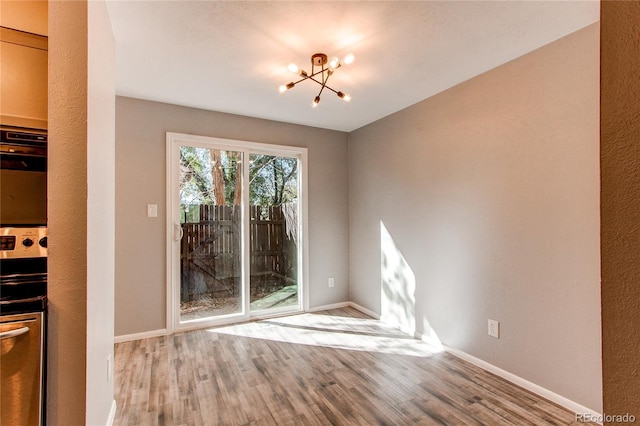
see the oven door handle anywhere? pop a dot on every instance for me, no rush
(29, 299)
(14, 333)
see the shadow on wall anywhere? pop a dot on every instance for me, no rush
(398, 292)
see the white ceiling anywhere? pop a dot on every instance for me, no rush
(231, 56)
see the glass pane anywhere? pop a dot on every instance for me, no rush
(274, 218)
(210, 198)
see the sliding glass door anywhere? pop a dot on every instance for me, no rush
(274, 221)
(210, 197)
(235, 230)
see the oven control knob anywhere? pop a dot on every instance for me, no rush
(43, 242)
(27, 242)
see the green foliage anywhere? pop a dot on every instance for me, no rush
(195, 176)
(273, 180)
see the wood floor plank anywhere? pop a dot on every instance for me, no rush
(337, 367)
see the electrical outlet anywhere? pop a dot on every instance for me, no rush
(152, 210)
(331, 282)
(494, 328)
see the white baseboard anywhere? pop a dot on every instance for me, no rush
(364, 310)
(523, 383)
(138, 336)
(112, 413)
(327, 307)
(345, 305)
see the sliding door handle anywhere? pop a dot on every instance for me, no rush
(178, 233)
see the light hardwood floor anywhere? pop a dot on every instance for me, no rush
(335, 367)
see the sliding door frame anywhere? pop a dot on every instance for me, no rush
(174, 141)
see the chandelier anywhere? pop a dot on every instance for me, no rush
(327, 67)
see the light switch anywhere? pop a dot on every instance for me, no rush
(152, 210)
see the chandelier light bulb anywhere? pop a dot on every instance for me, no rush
(349, 59)
(293, 68)
(333, 63)
(345, 97)
(316, 101)
(286, 87)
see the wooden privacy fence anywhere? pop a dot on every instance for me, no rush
(210, 251)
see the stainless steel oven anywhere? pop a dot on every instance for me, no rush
(23, 177)
(23, 307)
(23, 303)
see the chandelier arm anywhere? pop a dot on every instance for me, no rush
(313, 74)
(303, 79)
(326, 87)
(319, 82)
(307, 77)
(310, 77)
(321, 89)
(334, 91)
(324, 80)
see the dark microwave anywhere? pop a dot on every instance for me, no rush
(23, 177)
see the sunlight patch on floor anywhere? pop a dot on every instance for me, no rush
(357, 334)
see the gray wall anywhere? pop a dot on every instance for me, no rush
(490, 191)
(141, 128)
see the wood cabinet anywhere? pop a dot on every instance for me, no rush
(23, 79)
